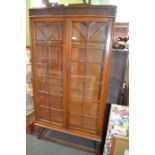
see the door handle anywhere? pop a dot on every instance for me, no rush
(69, 63)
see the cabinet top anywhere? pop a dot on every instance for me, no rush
(107, 10)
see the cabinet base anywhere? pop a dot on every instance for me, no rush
(41, 134)
(69, 131)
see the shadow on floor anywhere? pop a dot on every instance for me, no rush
(35, 146)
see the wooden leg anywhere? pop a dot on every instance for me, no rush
(97, 147)
(29, 128)
(29, 122)
(41, 133)
(29, 125)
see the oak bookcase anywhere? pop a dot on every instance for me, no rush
(71, 53)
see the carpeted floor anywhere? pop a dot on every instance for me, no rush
(45, 147)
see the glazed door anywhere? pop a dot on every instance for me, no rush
(86, 75)
(48, 70)
(70, 61)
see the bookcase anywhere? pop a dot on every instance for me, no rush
(71, 53)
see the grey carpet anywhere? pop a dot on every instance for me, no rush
(70, 138)
(35, 146)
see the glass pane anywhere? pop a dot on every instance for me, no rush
(42, 52)
(86, 71)
(75, 107)
(92, 86)
(89, 55)
(75, 120)
(43, 99)
(55, 68)
(42, 68)
(44, 114)
(82, 122)
(90, 108)
(57, 90)
(91, 95)
(49, 31)
(56, 116)
(84, 88)
(77, 70)
(55, 54)
(78, 54)
(89, 123)
(94, 56)
(46, 52)
(76, 96)
(91, 31)
(93, 72)
(43, 84)
(56, 102)
(76, 83)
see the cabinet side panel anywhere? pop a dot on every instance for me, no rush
(105, 77)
